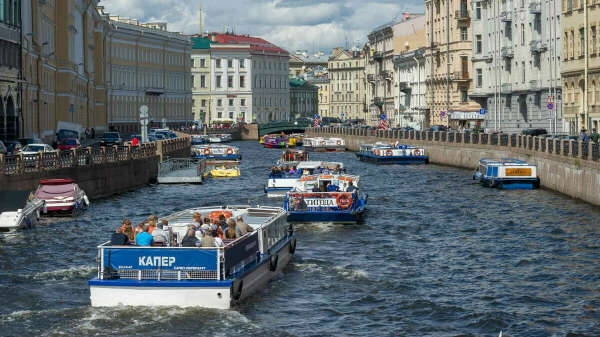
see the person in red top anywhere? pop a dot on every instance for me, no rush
(134, 141)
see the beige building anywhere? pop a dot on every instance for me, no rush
(146, 65)
(324, 95)
(10, 66)
(302, 63)
(580, 84)
(347, 84)
(63, 67)
(449, 73)
(201, 76)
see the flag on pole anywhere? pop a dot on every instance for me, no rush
(383, 122)
(316, 120)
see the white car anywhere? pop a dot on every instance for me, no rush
(33, 149)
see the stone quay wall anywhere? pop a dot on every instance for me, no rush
(566, 166)
(99, 171)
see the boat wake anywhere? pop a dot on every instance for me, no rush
(66, 273)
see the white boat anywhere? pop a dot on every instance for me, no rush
(62, 197)
(282, 181)
(17, 211)
(212, 277)
(507, 174)
(320, 144)
(220, 152)
(219, 138)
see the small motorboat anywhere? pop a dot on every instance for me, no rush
(62, 197)
(220, 152)
(331, 198)
(199, 140)
(290, 155)
(17, 210)
(283, 177)
(278, 142)
(380, 153)
(210, 277)
(507, 174)
(320, 144)
(225, 171)
(220, 138)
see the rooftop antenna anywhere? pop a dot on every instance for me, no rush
(200, 21)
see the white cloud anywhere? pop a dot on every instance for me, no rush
(291, 24)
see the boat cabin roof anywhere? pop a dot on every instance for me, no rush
(502, 161)
(380, 145)
(315, 164)
(308, 182)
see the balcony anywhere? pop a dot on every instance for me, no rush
(386, 74)
(506, 16)
(535, 7)
(534, 85)
(506, 88)
(507, 52)
(537, 46)
(378, 101)
(377, 55)
(462, 15)
(403, 86)
(371, 78)
(460, 76)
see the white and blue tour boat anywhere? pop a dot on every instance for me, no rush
(220, 152)
(381, 153)
(282, 180)
(219, 138)
(331, 198)
(508, 174)
(215, 277)
(320, 144)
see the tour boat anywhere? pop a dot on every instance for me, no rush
(380, 153)
(212, 277)
(219, 138)
(320, 144)
(326, 198)
(507, 174)
(290, 155)
(62, 197)
(281, 180)
(221, 152)
(274, 141)
(18, 211)
(298, 138)
(199, 139)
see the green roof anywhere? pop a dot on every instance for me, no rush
(201, 43)
(296, 82)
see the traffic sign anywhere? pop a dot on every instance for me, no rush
(482, 111)
(316, 115)
(342, 114)
(550, 106)
(382, 117)
(443, 113)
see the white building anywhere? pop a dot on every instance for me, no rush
(410, 89)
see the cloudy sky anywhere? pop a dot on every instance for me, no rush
(292, 24)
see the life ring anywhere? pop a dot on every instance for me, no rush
(374, 151)
(417, 152)
(206, 151)
(236, 289)
(273, 260)
(388, 152)
(214, 215)
(339, 142)
(293, 246)
(229, 151)
(344, 200)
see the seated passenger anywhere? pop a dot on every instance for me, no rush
(118, 238)
(218, 241)
(293, 170)
(351, 188)
(159, 235)
(190, 239)
(332, 188)
(128, 230)
(243, 227)
(207, 240)
(143, 238)
(151, 226)
(231, 233)
(197, 220)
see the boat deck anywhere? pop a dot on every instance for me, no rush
(179, 171)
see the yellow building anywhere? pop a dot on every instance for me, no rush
(10, 66)
(201, 75)
(146, 65)
(324, 95)
(347, 84)
(63, 67)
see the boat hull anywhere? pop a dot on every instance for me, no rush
(332, 217)
(327, 149)
(401, 160)
(225, 157)
(511, 184)
(64, 208)
(11, 221)
(206, 294)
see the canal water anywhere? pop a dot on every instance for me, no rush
(437, 255)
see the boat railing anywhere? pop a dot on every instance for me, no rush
(176, 164)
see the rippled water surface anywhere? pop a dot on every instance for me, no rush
(437, 255)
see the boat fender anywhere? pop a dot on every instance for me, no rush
(293, 246)
(206, 151)
(273, 262)
(87, 201)
(229, 151)
(417, 152)
(388, 153)
(236, 289)
(344, 200)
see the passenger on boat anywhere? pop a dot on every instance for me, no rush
(151, 226)
(118, 238)
(231, 233)
(338, 169)
(351, 188)
(159, 235)
(128, 230)
(207, 239)
(143, 238)
(190, 239)
(218, 240)
(243, 227)
(293, 170)
(333, 188)
(197, 219)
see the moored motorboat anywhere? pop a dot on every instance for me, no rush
(62, 197)
(279, 142)
(220, 152)
(18, 211)
(211, 277)
(219, 138)
(331, 198)
(507, 173)
(199, 139)
(320, 144)
(380, 153)
(284, 176)
(291, 155)
(223, 170)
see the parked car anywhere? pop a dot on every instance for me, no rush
(438, 128)
(33, 149)
(13, 146)
(3, 149)
(69, 143)
(534, 132)
(331, 121)
(110, 139)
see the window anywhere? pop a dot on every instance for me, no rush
(203, 103)
(218, 81)
(230, 114)
(242, 81)
(219, 102)
(202, 63)
(478, 45)
(479, 78)
(243, 102)
(218, 62)
(242, 63)
(463, 34)
(229, 63)
(522, 34)
(523, 72)
(594, 39)
(230, 81)
(581, 41)
(464, 95)
(202, 81)
(478, 10)
(231, 102)
(219, 114)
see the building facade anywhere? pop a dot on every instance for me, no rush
(580, 66)
(201, 76)
(10, 70)
(516, 52)
(379, 68)
(304, 100)
(302, 63)
(448, 59)
(410, 89)
(347, 84)
(324, 95)
(147, 65)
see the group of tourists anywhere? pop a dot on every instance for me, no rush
(150, 232)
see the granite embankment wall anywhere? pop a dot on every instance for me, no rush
(99, 171)
(566, 166)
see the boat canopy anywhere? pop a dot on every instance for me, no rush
(316, 164)
(53, 191)
(323, 182)
(502, 161)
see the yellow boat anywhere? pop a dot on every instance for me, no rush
(225, 172)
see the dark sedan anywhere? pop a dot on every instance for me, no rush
(110, 139)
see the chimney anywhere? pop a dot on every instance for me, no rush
(405, 16)
(213, 38)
